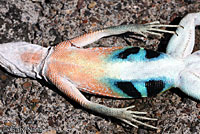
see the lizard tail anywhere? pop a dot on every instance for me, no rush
(22, 59)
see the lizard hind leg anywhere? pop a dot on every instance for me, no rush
(182, 44)
(189, 80)
(190, 83)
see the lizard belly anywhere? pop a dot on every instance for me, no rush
(142, 79)
(84, 68)
(116, 72)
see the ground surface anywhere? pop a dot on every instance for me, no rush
(39, 107)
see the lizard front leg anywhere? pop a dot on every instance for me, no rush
(124, 114)
(142, 29)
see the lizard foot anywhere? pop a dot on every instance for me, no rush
(129, 116)
(154, 29)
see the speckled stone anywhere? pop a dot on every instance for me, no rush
(26, 103)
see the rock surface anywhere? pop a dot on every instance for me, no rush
(27, 105)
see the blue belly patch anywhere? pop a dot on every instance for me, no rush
(139, 88)
(135, 54)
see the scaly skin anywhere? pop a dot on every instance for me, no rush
(122, 72)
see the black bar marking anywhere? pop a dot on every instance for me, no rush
(128, 51)
(151, 54)
(129, 89)
(154, 87)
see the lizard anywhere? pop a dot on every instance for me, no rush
(119, 72)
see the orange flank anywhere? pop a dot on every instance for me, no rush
(83, 67)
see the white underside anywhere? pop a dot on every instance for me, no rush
(168, 67)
